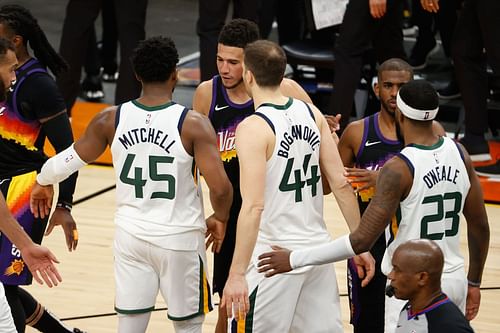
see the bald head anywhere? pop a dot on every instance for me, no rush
(422, 255)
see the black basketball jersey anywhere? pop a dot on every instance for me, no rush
(21, 147)
(439, 316)
(225, 116)
(373, 152)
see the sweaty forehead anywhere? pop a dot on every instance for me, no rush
(229, 52)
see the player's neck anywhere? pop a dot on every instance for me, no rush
(267, 95)
(423, 300)
(155, 94)
(238, 94)
(22, 56)
(420, 136)
(387, 125)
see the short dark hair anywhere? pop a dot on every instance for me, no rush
(396, 65)
(267, 61)
(155, 59)
(419, 94)
(238, 33)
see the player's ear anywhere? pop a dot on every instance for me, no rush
(137, 77)
(175, 75)
(376, 89)
(249, 77)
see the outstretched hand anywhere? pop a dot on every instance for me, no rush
(41, 200)
(216, 231)
(275, 262)
(40, 262)
(63, 217)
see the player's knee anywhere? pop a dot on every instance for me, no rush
(192, 325)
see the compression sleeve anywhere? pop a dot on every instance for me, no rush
(336, 250)
(58, 131)
(60, 167)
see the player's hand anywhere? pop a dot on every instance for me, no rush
(365, 264)
(473, 301)
(333, 122)
(235, 297)
(41, 200)
(378, 8)
(430, 5)
(363, 177)
(274, 262)
(40, 262)
(216, 231)
(63, 217)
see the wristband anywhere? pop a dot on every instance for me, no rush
(64, 205)
(474, 284)
(60, 167)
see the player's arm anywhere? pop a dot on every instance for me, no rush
(198, 131)
(349, 142)
(290, 88)
(98, 134)
(198, 137)
(394, 183)
(332, 169)
(203, 97)
(58, 131)
(347, 146)
(478, 238)
(39, 259)
(253, 136)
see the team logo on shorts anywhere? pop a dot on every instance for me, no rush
(16, 267)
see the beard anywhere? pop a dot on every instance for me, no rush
(387, 107)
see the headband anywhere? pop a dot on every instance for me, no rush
(413, 113)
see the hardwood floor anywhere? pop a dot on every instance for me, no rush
(87, 290)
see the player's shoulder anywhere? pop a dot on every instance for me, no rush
(353, 133)
(203, 97)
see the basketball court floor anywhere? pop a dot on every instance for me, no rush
(85, 298)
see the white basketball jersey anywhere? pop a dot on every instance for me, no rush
(433, 207)
(293, 205)
(156, 195)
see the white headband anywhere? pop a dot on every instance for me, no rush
(413, 113)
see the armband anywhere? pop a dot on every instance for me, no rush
(60, 167)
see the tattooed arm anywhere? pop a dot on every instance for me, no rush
(393, 184)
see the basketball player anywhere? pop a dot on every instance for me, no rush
(226, 102)
(282, 147)
(427, 186)
(416, 276)
(40, 260)
(159, 238)
(364, 147)
(33, 112)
